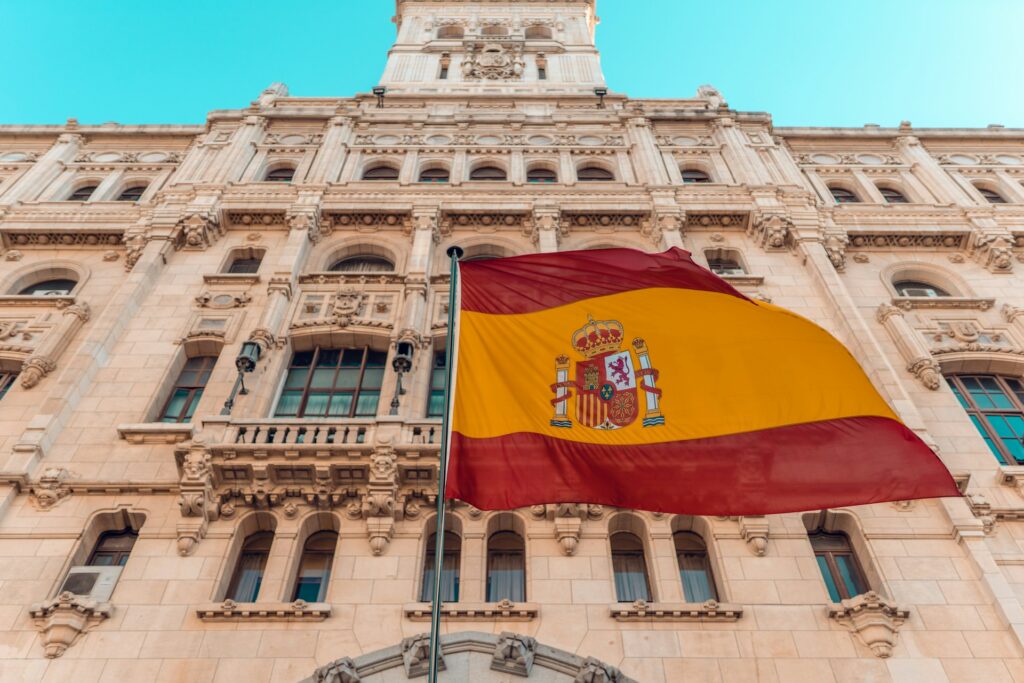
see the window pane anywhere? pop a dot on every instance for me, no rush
(296, 378)
(988, 440)
(248, 577)
(316, 405)
(630, 577)
(376, 359)
(352, 358)
(826, 573)
(341, 405)
(288, 406)
(302, 359)
(347, 378)
(849, 574)
(176, 405)
(506, 577)
(366, 406)
(1017, 388)
(696, 577)
(196, 395)
(329, 358)
(373, 378)
(323, 378)
(435, 407)
(959, 396)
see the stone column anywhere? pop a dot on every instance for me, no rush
(645, 152)
(934, 177)
(234, 158)
(106, 190)
(44, 360)
(911, 346)
(331, 156)
(744, 166)
(44, 170)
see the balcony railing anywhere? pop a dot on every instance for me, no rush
(298, 432)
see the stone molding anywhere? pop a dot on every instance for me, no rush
(156, 432)
(232, 611)
(873, 619)
(673, 611)
(63, 619)
(506, 610)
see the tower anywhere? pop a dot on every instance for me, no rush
(494, 47)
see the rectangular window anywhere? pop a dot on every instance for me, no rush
(187, 391)
(542, 73)
(438, 376)
(334, 383)
(6, 380)
(995, 405)
(444, 73)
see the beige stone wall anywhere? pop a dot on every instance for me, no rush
(81, 445)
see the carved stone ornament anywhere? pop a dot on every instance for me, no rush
(835, 246)
(135, 244)
(595, 671)
(62, 619)
(13, 255)
(994, 251)
(223, 300)
(493, 63)
(339, 671)
(514, 654)
(35, 369)
(928, 371)
(308, 221)
(416, 656)
(755, 532)
(199, 230)
(51, 489)
(873, 619)
(772, 231)
(197, 502)
(348, 303)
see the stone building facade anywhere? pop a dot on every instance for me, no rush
(149, 531)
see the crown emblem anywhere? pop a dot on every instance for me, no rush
(597, 337)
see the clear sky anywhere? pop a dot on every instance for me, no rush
(807, 62)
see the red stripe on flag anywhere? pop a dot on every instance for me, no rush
(835, 463)
(524, 284)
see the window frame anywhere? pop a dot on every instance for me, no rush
(325, 555)
(393, 174)
(451, 550)
(333, 268)
(541, 176)
(438, 368)
(641, 553)
(268, 177)
(119, 556)
(991, 196)
(7, 380)
(132, 188)
(696, 176)
(491, 553)
(474, 175)
(333, 390)
(979, 415)
(64, 292)
(606, 176)
(901, 287)
(436, 180)
(893, 192)
(73, 197)
(829, 555)
(705, 557)
(849, 196)
(243, 259)
(195, 392)
(236, 574)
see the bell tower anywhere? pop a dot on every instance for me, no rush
(494, 47)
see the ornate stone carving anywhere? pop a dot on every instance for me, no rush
(771, 230)
(514, 654)
(928, 371)
(663, 221)
(80, 310)
(994, 251)
(197, 502)
(63, 619)
(874, 620)
(34, 369)
(13, 255)
(199, 230)
(545, 221)
(835, 244)
(754, 530)
(380, 503)
(135, 244)
(915, 352)
(348, 304)
(416, 656)
(594, 670)
(223, 300)
(339, 671)
(308, 221)
(51, 489)
(493, 62)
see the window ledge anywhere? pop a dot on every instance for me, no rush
(743, 280)
(231, 278)
(156, 432)
(479, 611)
(32, 300)
(676, 611)
(300, 610)
(908, 303)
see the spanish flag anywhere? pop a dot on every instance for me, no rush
(645, 381)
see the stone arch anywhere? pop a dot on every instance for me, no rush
(433, 164)
(380, 162)
(632, 523)
(597, 163)
(130, 182)
(79, 183)
(701, 527)
(701, 165)
(486, 162)
(847, 522)
(491, 657)
(34, 273)
(924, 272)
(318, 520)
(248, 524)
(333, 253)
(116, 519)
(844, 184)
(896, 185)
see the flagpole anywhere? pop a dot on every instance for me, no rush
(454, 253)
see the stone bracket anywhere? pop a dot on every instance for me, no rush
(873, 619)
(63, 619)
(754, 530)
(416, 656)
(514, 654)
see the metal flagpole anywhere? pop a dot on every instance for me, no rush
(454, 253)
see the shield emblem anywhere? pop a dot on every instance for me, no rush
(607, 391)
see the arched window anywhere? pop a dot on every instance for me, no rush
(435, 175)
(589, 174)
(918, 288)
(381, 173)
(541, 175)
(692, 175)
(83, 193)
(839, 567)
(995, 404)
(57, 287)
(246, 262)
(506, 567)
(285, 174)
(438, 378)
(252, 561)
(449, 568)
(694, 567)
(333, 383)
(892, 196)
(132, 194)
(724, 262)
(991, 196)
(630, 568)
(363, 264)
(488, 173)
(538, 32)
(188, 389)
(315, 567)
(494, 30)
(843, 196)
(450, 33)
(113, 548)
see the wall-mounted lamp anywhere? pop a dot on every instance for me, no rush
(246, 361)
(601, 94)
(401, 363)
(380, 91)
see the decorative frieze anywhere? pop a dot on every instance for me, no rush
(908, 240)
(55, 238)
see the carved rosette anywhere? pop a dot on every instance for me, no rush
(63, 619)
(34, 369)
(514, 654)
(874, 620)
(772, 231)
(197, 502)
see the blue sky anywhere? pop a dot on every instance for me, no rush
(807, 62)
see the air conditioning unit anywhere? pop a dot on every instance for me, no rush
(96, 583)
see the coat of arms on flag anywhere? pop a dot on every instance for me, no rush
(607, 381)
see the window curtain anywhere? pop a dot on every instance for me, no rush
(249, 576)
(630, 577)
(449, 578)
(506, 577)
(696, 577)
